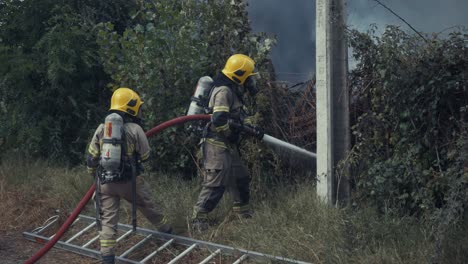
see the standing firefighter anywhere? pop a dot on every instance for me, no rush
(115, 154)
(222, 167)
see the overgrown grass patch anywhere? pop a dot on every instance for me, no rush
(289, 221)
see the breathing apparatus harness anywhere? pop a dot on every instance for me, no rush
(200, 105)
(115, 165)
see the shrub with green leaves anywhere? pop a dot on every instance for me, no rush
(52, 85)
(410, 101)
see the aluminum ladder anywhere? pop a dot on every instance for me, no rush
(188, 245)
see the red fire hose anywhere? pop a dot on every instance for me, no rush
(89, 193)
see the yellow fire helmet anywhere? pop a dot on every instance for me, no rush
(126, 100)
(239, 67)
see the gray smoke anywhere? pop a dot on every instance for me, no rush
(293, 23)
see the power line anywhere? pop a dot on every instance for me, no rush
(402, 19)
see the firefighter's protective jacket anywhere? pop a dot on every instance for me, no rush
(226, 105)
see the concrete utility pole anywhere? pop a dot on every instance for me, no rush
(333, 131)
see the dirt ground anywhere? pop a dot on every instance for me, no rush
(21, 212)
(14, 249)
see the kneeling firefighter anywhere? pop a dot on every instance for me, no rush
(114, 158)
(222, 167)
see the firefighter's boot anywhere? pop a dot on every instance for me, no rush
(108, 259)
(243, 211)
(200, 225)
(199, 221)
(165, 228)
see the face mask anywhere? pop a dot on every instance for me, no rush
(251, 85)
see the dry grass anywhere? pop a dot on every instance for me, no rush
(289, 221)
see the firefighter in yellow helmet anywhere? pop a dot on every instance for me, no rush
(110, 189)
(223, 169)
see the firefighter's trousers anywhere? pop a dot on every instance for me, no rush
(222, 170)
(110, 200)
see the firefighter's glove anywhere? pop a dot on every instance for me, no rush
(236, 128)
(253, 131)
(139, 164)
(235, 125)
(140, 167)
(259, 133)
(91, 171)
(92, 163)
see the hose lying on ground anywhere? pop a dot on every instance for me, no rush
(89, 193)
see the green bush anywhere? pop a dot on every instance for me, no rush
(410, 123)
(52, 85)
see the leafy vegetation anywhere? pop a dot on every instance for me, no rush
(411, 100)
(60, 62)
(52, 84)
(162, 56)
(410, 131)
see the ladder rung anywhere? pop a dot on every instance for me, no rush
(49, 222)
(74, 222)
(211, 256)
(91, 241)
(136, 246)
(157, 250)
(181, 255)
(125, 235)
(81, 232)
(146, 234)
(242, 258)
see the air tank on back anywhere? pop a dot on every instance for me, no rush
(200, 96)
(111, 150)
